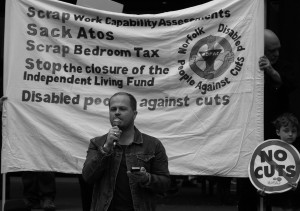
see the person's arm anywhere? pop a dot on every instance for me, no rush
(265, 65)
(158, 179)
(159, 175)
(96, 162)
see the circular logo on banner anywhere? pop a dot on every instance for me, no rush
(211, 57)
(274, 166)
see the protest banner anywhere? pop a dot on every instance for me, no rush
(274, 166)
(194, 73)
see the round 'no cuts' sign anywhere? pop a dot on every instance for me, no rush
(274, 166)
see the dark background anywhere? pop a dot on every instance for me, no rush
(283, 17)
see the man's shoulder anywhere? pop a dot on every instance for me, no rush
(153, 139)
(145, 135)
(99, 140)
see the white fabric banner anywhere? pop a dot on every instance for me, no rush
(194, 73)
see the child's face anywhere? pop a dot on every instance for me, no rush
(287, 133)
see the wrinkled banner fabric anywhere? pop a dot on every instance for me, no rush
(194, 73)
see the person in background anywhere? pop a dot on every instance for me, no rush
(128, 168)
(287, 127)
(39, 190)
(280, 81)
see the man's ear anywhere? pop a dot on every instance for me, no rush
(277, 132)
(135, 113)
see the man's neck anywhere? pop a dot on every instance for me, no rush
(127, 136)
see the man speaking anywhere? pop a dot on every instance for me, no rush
(127, 168)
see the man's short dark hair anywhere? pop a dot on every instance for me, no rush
(132, 99)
